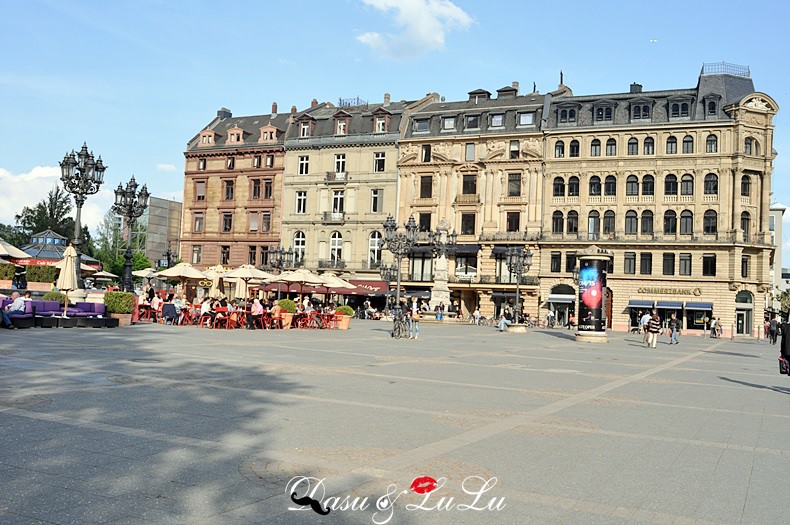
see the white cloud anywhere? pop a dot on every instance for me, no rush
(423, 23)
(165, 167)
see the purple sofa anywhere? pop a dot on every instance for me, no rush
(24, 319)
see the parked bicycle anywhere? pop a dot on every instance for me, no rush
(400, 325)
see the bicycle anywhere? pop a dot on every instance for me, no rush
(400, 327)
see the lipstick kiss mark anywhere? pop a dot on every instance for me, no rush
(423, 485)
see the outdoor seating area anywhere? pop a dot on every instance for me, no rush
(51, 314)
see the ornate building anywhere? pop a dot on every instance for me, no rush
(232, 189)
(476, 165)
(676, 183)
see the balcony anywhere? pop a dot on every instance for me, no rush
(730, 237)
(467, 198)
(511, 279)
(507, 236)
(427, 201)
(339, 177)
(466, 278)
(714, 197)
(334, 217)
(337, 264)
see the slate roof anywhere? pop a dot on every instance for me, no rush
(252, 131)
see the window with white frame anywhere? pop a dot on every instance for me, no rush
(526, 119)
(376, 198)
(375, 243)
(336, 247)
(497, 120)
(340, 162)
(301, 202)
(378, 161)
(448, 123)
(381, 124)
(304, 165)
(338, 201)
(197, 252)
(304, 129)
(300, 242)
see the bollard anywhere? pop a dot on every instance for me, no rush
(732, 334)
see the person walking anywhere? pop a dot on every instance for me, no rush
(476, 315)
(415, 319)
(550, 319)
(674, 328)
(643, 321)
(653, 329)
(773, 330)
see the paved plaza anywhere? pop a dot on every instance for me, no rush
(161, 424)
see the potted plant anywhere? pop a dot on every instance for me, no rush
(289, 309)
(346, 313)
(120, 305)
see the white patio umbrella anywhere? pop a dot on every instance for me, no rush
(217, 275)
(243, 275)
(67, 279)
(104, 276)
(146, 273)
(183, 272)
(9, 250)
(301, 277)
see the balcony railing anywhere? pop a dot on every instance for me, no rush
(338, 264)
(695, 237)
(336, 176)
(464, 198)
(334, 217)
(508, 236)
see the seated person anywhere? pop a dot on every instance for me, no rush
(16, 307)
(255, 314)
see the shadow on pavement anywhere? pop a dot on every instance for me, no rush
(736, 354)
(780, 389)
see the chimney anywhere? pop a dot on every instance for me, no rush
(293, 110)
(313, 103)
(514, 84)
(224, 113)
(274, 108)
(636, 88)
(386, 99)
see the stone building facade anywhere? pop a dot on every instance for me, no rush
(233, 183)
(676, 183)
(476, 166)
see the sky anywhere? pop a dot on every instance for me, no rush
(137, 80)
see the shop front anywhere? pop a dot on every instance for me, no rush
(698, 316)
(637, 308)
(667, 308)
(744, 313)
(562, 302)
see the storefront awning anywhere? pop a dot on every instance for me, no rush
(699, 306)
(421, 249)
(364, 287)
(636, 303)
(677, 305)
(419, 294)
(562, 299)
(503, 295)
(467, 249)
(499, 250)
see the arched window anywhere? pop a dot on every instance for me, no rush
(607, 114)
(572, 115)
(631, 222)
(375, 242)
(744, 297)
(687, 184)
(650, 146)
(747, 146)
(686, 222)
(595, 148)
(672, 146)
(611, 148)
(645, 111)
(559, 149)
(599, 114)
(610, 185)
(670, 185)
(593, 225)
(633, 146)
(336, 247)
(746, 186)
(300, 242)
(574, 149)
(573, 186)
(675, 110)
(711, 108)
(559, 187)
(670, 222)
(688, 144)
(595, 186)
(564, 116)
(756, 147)
(648, 185)
(746, 225)
(647, 222)
(637, 112)
(710, 222)
(556, 222)
(684, 109)
(608, 222)
(573, 222)
(632, 185)
(711, 184)
(712, 144)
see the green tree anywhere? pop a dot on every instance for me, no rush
(52, 213)
(13, 235)
(785, 301)
(108, 240)
(139, 262)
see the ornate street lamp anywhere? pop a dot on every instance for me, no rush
(129, 204)
(168, 256)
(81, 176)
(442, 242)
(399, 244)
(519, 262)
(281, 259)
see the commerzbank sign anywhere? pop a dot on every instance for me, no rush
(671, 291)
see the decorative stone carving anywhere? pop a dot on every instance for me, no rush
(757, 103)
(531, 148)
(734, 287)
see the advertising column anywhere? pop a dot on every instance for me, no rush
(592, 295)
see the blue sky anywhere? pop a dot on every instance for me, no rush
(136, 80)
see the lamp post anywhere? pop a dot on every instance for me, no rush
(129, 204)
(168, 256)
(281, 259)
(81, 176)
(519, 262)
(399, 244)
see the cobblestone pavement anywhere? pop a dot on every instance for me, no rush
(160, 424)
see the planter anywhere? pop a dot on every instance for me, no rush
(343, 322)
(287, 320)
(123, 319)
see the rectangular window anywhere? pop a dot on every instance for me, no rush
(198, 223)
(376, 201)
(252, 256)
(341, 127)
(340, 162)
(256, 189)
(421, 268)
(229, 186)
(381, 124)
(304, 165)
(570, 261)
(472, 122)
(202, 164)
(629, 263)
(514, 184)
(466, 265)
(467, 224)
(301, 202)
(498, 120)
(470, 152)
(556, 261)
(266, 221)
(425, 222)
(669, 264)
(231, 163)
(469, 186)
(526, 119)
(254, 219)
(515, 151)
(256, 161)
(227, 222)
(646, 263)
(426, 187)
(426, 153)
(421, 125)
(269, 161)
(267, 189)
(745, 266)
(224, 255)
(448, 123)
(378, 161)
(197, 252)
(685, 264)
(709, 264)
(338, 201)
(304, 129)
(264, 256)
(200, 190)
(513, 221)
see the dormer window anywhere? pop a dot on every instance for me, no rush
(640, 112)
(526, 119)
(711, 108)
(206, 138)
(603, 114)
(268, 134)
(498, 120)
(304, 129)
(472, 122)
(381, 124)
(421, 124)
(448, 122)
(341, 127)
